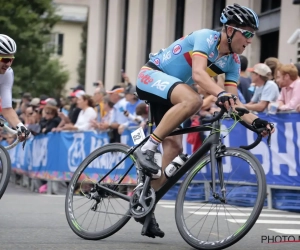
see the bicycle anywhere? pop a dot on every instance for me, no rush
(5, 163)
(140, 200)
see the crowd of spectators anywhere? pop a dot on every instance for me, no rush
(266, 87)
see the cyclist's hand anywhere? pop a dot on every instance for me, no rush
(226, 99)
(259, 123)
(23, 132)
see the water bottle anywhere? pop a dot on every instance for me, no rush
(175, 165)
(158, 161)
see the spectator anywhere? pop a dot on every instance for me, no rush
(245, 80)
(297, 65)
(287, 78)
(35, 102)
(63, 105)
(86, 115)
(116, 95)
(272, 63)
(132, 102)
(73, 110)
(51, 118)
(99, 94)
(35, 128)
(266, 90)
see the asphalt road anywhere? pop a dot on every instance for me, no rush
(34, 221)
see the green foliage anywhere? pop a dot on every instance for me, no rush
(82, 62)
(29, 23)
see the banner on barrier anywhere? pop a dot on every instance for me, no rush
(57, 155)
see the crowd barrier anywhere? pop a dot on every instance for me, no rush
(55, 156)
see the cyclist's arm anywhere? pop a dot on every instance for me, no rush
(249, 118)
(11, 116)
(6, 97)
(201, 77)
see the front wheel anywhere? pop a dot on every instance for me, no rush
(204, 220)
(5, 169)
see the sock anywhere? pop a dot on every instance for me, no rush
(152, 143)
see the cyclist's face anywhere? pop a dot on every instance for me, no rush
(5, 63)
(239, 41)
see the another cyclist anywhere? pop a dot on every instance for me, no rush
(164, 81)
(8, 48)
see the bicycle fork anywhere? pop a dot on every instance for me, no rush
(214, 150)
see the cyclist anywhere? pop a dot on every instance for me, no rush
(8, 48)
(164, 81)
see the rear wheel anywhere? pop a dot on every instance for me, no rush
(92, 212)
(208, 222)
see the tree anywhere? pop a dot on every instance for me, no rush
(82, 62)
(29, 23)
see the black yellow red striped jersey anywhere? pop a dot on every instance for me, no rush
(176, 60)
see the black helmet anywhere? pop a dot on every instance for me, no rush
(239, 15)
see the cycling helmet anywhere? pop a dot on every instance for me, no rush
(7, 45)
(239, 15)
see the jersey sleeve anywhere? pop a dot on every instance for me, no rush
(233, 74)
(204, 42)
(6, 89)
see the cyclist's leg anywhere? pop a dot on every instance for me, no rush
(172, 145)
(158, 87)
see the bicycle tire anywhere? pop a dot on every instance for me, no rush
(6, 169)
(113, 147)
(200, 244)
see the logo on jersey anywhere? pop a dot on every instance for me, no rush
(211, 55)
(236, 58)
(222, 62)
(160, 85)
(167, 56)
(215, 37)
(157, 61)
(144, 78)
(177, 49)
(210, 41)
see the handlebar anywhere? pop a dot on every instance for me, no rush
(241, 112)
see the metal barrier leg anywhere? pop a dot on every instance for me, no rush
(207, 190)
(269, 197)
(49, 187)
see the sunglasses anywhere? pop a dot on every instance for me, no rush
(246, 33)
(7, 59)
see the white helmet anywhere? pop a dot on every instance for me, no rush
(7, 45)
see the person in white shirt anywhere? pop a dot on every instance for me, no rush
(8, 49)
(86, 115)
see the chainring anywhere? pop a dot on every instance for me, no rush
(140, 207)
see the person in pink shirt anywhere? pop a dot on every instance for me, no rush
(288, 81)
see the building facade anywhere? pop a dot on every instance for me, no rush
(121, 33)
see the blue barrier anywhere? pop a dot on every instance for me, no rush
(56, 156)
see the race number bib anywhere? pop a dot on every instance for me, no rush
(138, 136)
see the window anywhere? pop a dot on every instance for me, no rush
(56, 43)
(269, 49)
(149, 29)
(179, 19)
(298, 54)
(125, 36)
(267, 5)
(105, 35)
(218, 7)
